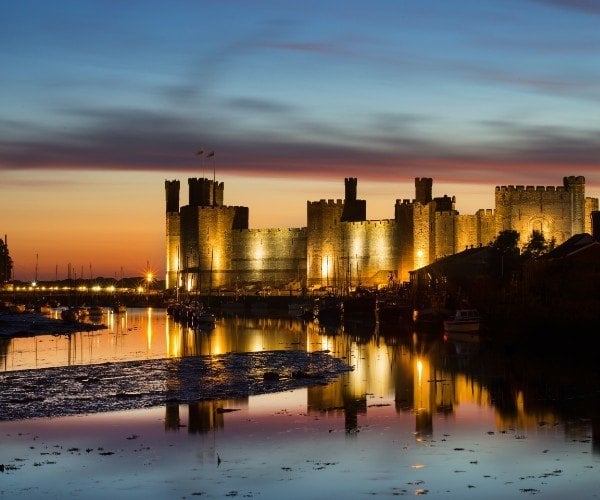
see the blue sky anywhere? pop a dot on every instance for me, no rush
(453, 89)
(103, 100)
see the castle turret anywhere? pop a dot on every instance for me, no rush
(354, 210)
(172, 233)
(575, 186)
(205, 193)
(172, 196)
(350, 188)
(423, 190)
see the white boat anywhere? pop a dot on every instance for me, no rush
(464, 321)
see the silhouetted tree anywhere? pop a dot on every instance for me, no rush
(6, 263)
(507, 250)
(506, 242)
(536, 246)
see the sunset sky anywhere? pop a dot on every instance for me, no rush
(101, 101)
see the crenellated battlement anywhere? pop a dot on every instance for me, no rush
(529, 189)
(327, 203)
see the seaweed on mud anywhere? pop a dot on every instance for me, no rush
(71, 390)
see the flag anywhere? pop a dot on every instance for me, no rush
(200, 152)
(211, 154)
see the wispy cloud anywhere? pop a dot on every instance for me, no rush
(587, 6)
(144, 141)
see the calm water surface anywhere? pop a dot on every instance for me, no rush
(418, 415)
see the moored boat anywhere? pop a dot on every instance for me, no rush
(300, 310)
(95, 311)
(119, 309)
(72, 314)
(464, 321)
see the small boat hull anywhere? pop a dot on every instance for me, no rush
(464, 321)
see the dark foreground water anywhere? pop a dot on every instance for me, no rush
(417, 415)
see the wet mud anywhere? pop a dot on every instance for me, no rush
(72, 390)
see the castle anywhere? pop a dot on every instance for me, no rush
(210, 246)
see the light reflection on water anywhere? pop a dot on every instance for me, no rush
(416, 414)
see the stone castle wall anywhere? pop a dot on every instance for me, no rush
(323, 220)
(528, 208)
(212, 246)
(276, 256)
(591, 205)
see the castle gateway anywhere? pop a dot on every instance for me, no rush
(209, 244)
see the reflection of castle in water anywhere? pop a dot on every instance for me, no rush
(203, 416)
(422, 377)
(209, 244)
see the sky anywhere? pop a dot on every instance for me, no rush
(101, 101)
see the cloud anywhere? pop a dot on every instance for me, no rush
(150, 141)
(587, 6)
(255, 105)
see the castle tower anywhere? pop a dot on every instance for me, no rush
(575, 186)
(354, 210)
(423, 189)
(205, 193)
(172, 233)
(350, 188)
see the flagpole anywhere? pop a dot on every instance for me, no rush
(200, 153)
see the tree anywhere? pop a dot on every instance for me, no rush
(506, 242)
(536, 245)
(6, 263)
(507, 253)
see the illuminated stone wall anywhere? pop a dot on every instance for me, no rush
(369, 252)
(414, 235)
(207, 244)
(553, 210)
(275, 256)
(475, 229)
(172, 232)
(466, 232)
(173, 243)
(323, 240)
(335, 249)
(444, 230)
(591, 205)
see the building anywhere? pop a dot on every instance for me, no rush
(209, 245)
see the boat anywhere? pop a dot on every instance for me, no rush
(360, 305)
(44, 309)
(95, 311)
(119, 309)
(300, 310)
(392, 311)
(464, 321)
(71, 314)
(328, 308)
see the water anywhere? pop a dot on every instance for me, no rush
(417, 415)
